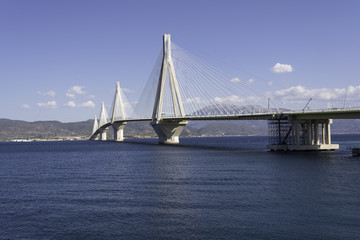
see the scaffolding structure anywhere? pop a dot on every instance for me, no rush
(279, 131)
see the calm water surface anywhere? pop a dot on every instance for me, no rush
(206, 188)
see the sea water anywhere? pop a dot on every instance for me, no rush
(204, 188)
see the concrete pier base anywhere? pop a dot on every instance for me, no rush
(119, 131)
(292, 134)
(102, 133)
(168, 131)
(321, 147)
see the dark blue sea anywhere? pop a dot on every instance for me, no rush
(205, 188)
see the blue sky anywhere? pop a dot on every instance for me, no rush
(60, 59)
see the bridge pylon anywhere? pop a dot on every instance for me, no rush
(95, 136)
(168, 130)
(103, 122)
(118, 122)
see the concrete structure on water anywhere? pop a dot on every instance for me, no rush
(288, 131)
(168, 130)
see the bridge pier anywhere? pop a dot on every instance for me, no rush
(292, 134)
(102, 133)
(119, 131)
(168, 131)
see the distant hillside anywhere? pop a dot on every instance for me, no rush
(15, 129)
(226, 129)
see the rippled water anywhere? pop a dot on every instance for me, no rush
(206, 188)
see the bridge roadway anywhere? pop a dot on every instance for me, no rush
(258, 116)
(304, 125)
(348, 113)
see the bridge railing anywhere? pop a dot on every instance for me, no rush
(347, 109)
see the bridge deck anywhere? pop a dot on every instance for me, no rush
(351, 113)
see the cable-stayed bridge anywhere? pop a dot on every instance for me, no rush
(184, 88)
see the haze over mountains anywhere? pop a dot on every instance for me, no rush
(54, 130)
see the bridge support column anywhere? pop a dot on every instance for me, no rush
(328, 131)
(168, 131)
(290, 134)
(102, 132)
(316, 133)
(119, 131)
(309, 132)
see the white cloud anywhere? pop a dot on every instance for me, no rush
(231, 99)
(88, 104)
(282, 68)
(270, 83)
(300, 93)
(193, 100)
(25, 106)
(251, 81)
(254, 99)
(70, 95)
(354, 91)
(90, 96)
(235, 80)
(235, 99)
(127, 90)
(50, 104)
(75, 90)
(50, 93)
(70, 104)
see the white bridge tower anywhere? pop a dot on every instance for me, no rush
(103, 119)
(168, 130)
(95, 136)
(118, 122)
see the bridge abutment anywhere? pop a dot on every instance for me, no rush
(287, 133)
(119, 131)
(168, 131)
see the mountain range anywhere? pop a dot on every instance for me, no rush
(55, 130)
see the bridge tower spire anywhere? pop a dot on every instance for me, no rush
(96, 125)
(118, 104)
(117, 122)
(94, 135)
(167, 67)
(168, 130)
(103, 115)
(103, 120)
